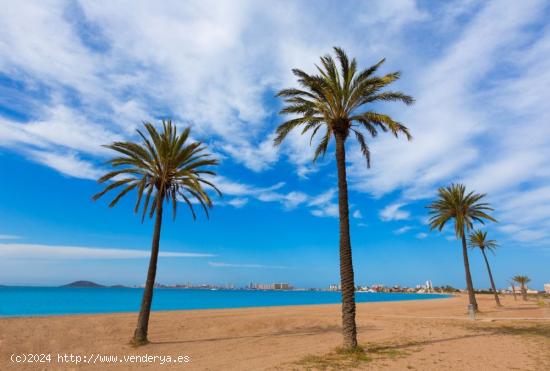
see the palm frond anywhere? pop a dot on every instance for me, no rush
(478, 239)
(164, 166)
(333, 97)
(364, 148)
(322, 147)
(454, 204)
(522, 280)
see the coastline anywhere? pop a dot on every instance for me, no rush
(175, 311)
(55, 301)
(284, 336)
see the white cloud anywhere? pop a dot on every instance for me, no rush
(421, 235)
(402, 229)
(41, 45)
(235, 188)
(463, 124)
(289, 200)
(203, 62)
(330, 210)
(394, 212)
(321, 205)
(445, 119)
(391, 16)
(62, 127)
(242, 191)
(524, 234)
(357, 214)
(9, 237)
(238, 202)
(68, 164)
(323, 198)
(53, 252)
(255, 158)
(256, 266)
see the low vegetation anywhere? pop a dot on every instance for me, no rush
(342, 358)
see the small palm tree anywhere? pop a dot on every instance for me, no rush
(513, 289)
(523, 281)
(453, 203)
(338, 102)
(164, 167)
(478, 239)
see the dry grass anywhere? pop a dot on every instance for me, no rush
(336, 360)
(349, 359)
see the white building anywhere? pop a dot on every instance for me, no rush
(429, 286)
(547, 288)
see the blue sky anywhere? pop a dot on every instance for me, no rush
(74, 76)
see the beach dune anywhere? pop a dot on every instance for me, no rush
(423, 335)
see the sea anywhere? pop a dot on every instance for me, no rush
(38, 301)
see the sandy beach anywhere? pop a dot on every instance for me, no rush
(421, 335)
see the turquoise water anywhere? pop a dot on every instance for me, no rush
(32, 301)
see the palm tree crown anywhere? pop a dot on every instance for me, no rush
(334, 99)
(465, 208)
(479, 239)
(522, 280)
(163, 166)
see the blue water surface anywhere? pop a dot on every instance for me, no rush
(33, 301)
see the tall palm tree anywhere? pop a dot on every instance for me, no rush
(163, 167)
(478, 239)
(523, 281)
(339, 100)
(453, 203)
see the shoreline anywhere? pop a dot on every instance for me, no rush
(447, 296)
(418, 297)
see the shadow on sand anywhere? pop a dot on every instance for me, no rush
(316, 330)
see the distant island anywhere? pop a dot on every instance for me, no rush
(83, 284)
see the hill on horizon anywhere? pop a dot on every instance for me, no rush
(83, 284)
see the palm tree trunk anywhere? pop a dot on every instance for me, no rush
(523, 292)
(514, 291)
(491, 278)
(349, 329)
(140, 335)
(469, 284)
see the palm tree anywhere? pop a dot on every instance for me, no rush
(465, 209)
(513, 289)
(522, 280)
(163, 167)
(478, 239)
(339, 102)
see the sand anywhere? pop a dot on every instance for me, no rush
(416, 335)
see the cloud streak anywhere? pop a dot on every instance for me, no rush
(394, 212)
(254, 266)
(9, 237)
(53, 252)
